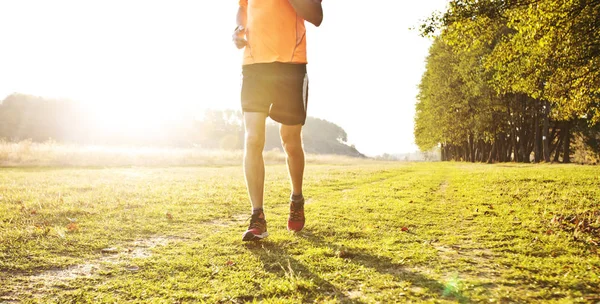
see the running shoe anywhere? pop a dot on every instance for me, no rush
(296, 218)
(257, 229)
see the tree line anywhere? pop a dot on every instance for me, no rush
(39, 119)
(511, 80)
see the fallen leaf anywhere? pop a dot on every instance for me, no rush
(342, 254)
(110, 250)
(72, 227)
(132, 268)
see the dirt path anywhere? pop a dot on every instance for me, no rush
(122, 256)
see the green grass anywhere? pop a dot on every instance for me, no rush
(376, 232)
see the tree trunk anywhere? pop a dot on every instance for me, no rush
(466, 152)
(515, 154)
(545, 132)
(442, 152)
(523, 140)
(558, 148)
(492, 153)
(471, 143)
(538, 136)
(553, 137)
(457, 153)
(500, 150)
(478, 151)
(523, 148)
(567, 144)
(485, 151)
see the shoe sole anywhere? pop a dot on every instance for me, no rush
(254, 237)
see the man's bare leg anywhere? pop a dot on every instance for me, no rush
(254, 165)
(291, 139)
(254, 172)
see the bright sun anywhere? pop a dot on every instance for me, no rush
(132, 120)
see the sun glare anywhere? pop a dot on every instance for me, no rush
(133, 120)
(154, 55)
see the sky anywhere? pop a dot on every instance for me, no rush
(164, 58)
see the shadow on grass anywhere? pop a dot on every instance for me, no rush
(399, 272)
(277, 259)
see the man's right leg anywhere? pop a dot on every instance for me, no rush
(254, 172)
(291, 139)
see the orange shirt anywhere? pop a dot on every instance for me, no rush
(275, 33)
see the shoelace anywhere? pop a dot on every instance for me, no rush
(297, 212)
(256, 222)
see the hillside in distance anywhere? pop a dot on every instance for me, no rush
(24, 117)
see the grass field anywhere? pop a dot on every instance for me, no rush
(51, 154)
(376, 232)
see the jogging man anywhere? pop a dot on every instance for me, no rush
(275, 84)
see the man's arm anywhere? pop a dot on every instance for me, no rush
(238, 36)
(309, 10)
(242, 16)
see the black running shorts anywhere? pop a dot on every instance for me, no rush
(279, 90)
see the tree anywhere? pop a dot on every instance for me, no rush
(540, 58)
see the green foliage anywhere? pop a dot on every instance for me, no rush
(440, 102)
(548, 50)
(530, 68)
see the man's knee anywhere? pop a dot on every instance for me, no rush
(292, 144)
(255, 142)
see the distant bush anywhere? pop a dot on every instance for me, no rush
(30, 119)
(28, 153)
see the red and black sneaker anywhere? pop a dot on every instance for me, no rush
(296, 219)
(257, 229)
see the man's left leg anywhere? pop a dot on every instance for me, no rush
(291, 139)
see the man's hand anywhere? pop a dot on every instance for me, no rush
(238, 37)
(240, 31)
(309, 10)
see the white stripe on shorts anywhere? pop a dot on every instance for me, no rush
(305, 92)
